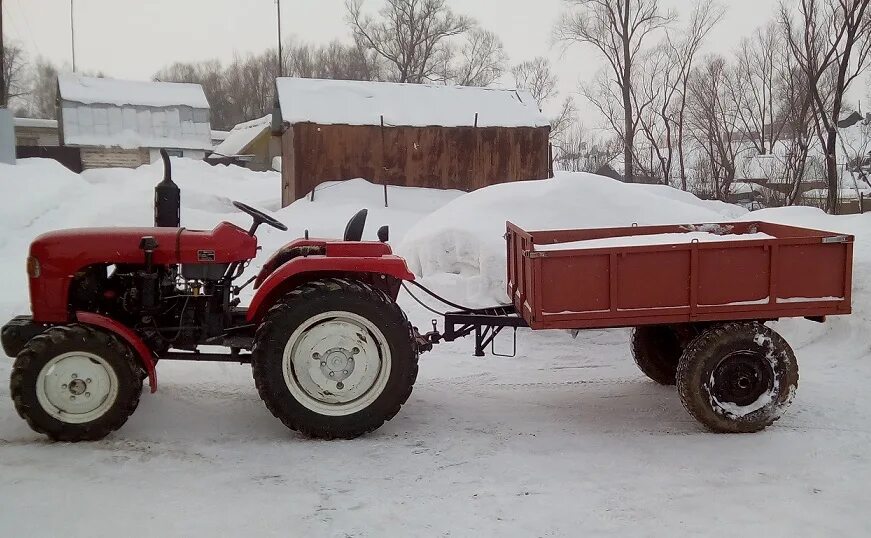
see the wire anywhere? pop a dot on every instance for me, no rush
(421, 303)
(440, 298)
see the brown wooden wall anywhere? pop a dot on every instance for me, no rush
(465, 158)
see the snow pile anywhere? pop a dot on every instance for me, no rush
(465, 237)
(110, 91)
(352, 102)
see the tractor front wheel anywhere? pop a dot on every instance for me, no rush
(75, 383)
(334, 358)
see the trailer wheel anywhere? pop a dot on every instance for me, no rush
(657, 350)
(737, 377)
(334, 359)
(75, 383)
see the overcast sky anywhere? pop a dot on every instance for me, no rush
(135, 38)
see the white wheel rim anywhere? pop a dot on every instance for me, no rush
(336, 363)
(77, 387)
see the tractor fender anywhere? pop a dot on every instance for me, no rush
(126, 334)
(301, 270)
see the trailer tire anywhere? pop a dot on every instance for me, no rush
(657, 350)
(737, 377)
(334, 359)
(75, 383)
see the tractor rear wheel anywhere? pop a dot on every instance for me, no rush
(75, 383)
(737, 377)
(334, 358)
(657, 350)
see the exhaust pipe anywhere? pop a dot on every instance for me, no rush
(167, 198)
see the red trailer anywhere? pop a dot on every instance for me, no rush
(698, 296)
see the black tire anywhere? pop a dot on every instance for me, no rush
(657, 350)
(737, 377)
(58, 341)
(296, 308)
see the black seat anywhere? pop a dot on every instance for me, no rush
(354, 229)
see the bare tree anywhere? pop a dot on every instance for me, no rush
(409, 35)
(714, 123)
(618, 29)
(582, 151)
(753, 87)
(13, 74)
(831, 41)
(705, 15)
(563, 121)
(480, 61)
(43, 90)
(537, 77)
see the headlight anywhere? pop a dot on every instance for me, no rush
(33, 269)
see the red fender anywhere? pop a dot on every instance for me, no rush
(393, 266)
(127, 334)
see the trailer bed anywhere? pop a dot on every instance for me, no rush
(648, 275)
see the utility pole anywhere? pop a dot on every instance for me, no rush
(3, 97)
(280, 62)
(73, 34)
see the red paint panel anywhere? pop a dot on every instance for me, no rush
(576, 284)
(733, 274)
(811, 271)
(653, 279)
(392, 266)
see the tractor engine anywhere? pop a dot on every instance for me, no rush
(177, 305)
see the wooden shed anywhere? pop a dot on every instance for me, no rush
(417, 135)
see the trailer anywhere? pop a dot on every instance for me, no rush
(697, 297)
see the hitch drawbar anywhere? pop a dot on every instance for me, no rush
(484, 323)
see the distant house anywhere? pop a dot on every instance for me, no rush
(35, 132)
(423, 135)
(249, 144)
(125, 123)
(219, 136)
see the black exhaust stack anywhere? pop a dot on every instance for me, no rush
(167, 198)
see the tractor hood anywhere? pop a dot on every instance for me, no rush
(67, 251)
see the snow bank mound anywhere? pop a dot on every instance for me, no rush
(336, 202)
(464, 237)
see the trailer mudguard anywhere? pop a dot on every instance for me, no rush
(127, 334)
(304, 269)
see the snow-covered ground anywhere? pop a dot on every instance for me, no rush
(566, 439)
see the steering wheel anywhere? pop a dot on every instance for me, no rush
(259, 217)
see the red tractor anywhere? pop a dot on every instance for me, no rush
(333, 355)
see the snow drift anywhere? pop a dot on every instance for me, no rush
(465, 237)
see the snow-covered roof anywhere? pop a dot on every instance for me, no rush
(133, 114)
(110, 91)
(241, 136)
(35, 123)
(347, 102)
(219, 135)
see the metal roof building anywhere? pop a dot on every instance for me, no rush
(125, 123)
